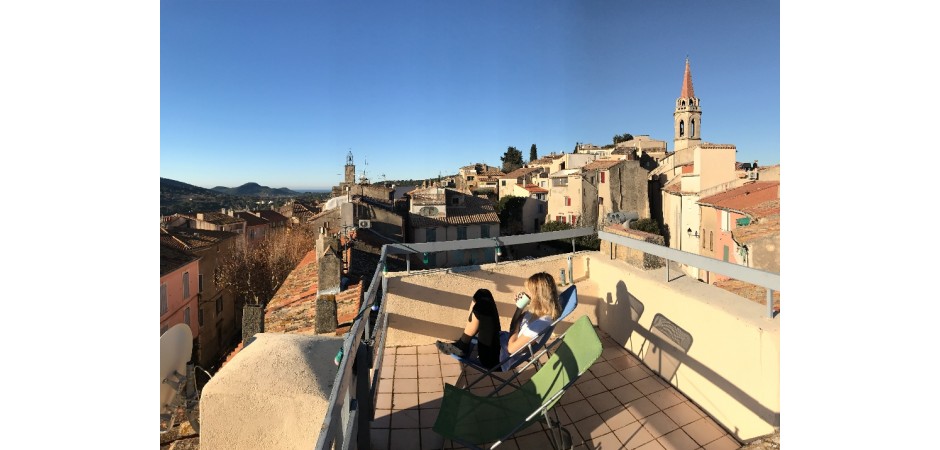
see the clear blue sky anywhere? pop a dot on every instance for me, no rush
(277, 92)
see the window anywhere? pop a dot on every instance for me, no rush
(185, 286)
(725, 257)
(725, 221)
(470, 178)
(560, 181)
(559, 219)
(600, 200)
(574, 219)
(484, 231)
(218, 305)
(461, 233)
(199, 315)
(430, 235)
(164, 307)
(503, 183)
(186, 316)
(200, 282)
(603, 177)
(692, 128)
(711, 242)
(567, 201)
(681, 128)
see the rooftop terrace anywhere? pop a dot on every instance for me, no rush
(685, 365)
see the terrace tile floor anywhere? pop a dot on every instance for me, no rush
(617, 404)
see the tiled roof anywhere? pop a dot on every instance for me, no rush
(754, 199)
(172, 257)
(565, 173)
(624, 150)
(474, 210)
(520, 172)
(218, 218)
(601, 164)
(272, 216)
(535, 189)
(250, 219)
(193, 239)
(292, 308)
(761, 228)
(687, 90)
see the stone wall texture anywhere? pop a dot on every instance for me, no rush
(633, 257)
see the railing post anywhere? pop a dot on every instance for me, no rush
(667, 270)
(770, 303)
(570, 269)
(572, 246)
(407, 264)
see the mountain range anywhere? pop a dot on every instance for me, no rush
(256, 190)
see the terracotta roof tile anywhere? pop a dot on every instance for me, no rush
(521, 172)
(535, 189)
(601, 164)
(217, 218)
(755, 199)
(474, 210)
(250, 219)
(272, 216)
(193, 239)
(173, 257)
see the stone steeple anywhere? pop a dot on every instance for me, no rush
(688, 114)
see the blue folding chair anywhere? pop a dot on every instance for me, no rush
(569, 301)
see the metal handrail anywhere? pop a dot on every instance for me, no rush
(768, 280)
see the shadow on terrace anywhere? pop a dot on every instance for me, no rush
(684, 364)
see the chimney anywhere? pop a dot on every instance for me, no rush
(755, 165)
(252, 321)
(329, 270)
(200, 216)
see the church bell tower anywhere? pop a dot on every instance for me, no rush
(350, 170)
(688, 115)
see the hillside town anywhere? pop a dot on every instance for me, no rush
(682, 192)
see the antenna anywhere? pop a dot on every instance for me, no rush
(177, 378)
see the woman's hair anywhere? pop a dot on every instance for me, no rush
(544, 295)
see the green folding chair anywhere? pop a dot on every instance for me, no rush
(472, 420)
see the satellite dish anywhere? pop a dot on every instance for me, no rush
(177, 377)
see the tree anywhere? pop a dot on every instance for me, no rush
(533, 153)
(618, 138)
(591, 242)
(254, 272)
(509, 209)
(647, 225)
(512, 159)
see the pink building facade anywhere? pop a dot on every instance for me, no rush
(179, 289)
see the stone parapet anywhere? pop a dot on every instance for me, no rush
(631, 256)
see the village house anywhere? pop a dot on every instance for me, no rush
(218, 314)
(440, 214)
(178, 293)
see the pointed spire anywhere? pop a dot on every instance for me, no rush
(687, 90)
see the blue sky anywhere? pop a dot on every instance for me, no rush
(277, 92)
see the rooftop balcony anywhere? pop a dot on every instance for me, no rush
(685, 364)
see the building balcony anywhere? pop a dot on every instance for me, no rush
(684, 365)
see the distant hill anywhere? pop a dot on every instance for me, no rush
(171, 187)
(256, 190)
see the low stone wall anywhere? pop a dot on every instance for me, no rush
(633, 257)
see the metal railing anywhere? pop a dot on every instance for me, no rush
(355, 388)
(768, 280)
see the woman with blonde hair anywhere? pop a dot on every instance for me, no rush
(536, 308)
